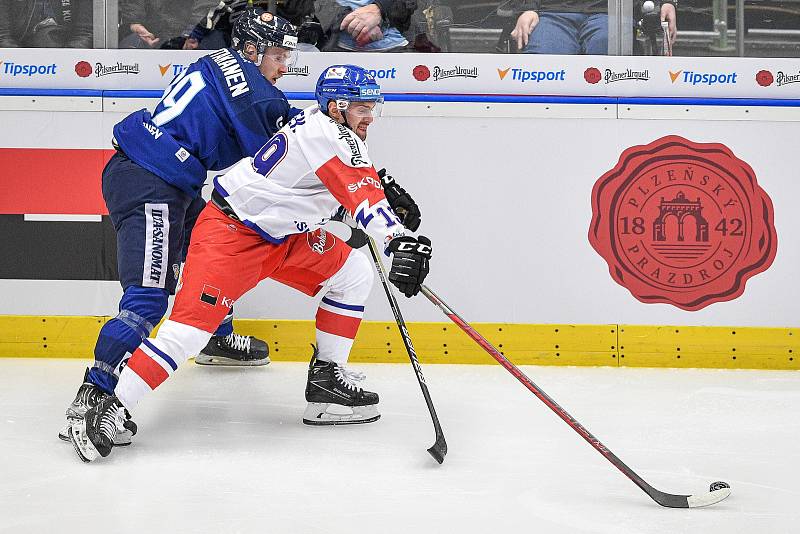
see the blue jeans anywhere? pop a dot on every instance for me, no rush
(569, 33)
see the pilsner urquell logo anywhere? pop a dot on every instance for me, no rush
(682, 223)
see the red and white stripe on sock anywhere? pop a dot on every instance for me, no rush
(147, 368)
(337, 326)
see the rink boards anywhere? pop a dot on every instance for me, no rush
(510, 179)
(379, 342)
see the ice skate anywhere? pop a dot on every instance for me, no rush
(87, 397)
(94, 435)
(333, 397)
(234, 349)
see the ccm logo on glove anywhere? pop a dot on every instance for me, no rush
(410, 263)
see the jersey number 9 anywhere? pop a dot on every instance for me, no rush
(172, 103)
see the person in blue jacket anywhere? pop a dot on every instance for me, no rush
(222, 108)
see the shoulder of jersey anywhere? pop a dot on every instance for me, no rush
(258, 86)
(347, 145)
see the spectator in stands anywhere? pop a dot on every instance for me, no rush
(571, 26)
(46, 23)
(365, 25)
(213, 31)
(160, 23)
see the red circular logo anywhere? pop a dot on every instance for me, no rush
(682, 223)
(83, 69)
(421, 73)
(592, 75)
(320, 241)
(764, 78)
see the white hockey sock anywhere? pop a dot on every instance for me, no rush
(156, 359)
(341, 309)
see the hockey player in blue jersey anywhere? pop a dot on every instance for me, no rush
(220, 109)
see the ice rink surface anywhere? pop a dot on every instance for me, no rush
(223, 450)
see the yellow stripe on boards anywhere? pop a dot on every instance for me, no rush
(524, 344)
(709, 346)
(25, 336)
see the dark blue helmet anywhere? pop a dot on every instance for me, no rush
(346, 83)
(263, 30)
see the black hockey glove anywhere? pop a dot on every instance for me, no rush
(410, 263)
(401, 202)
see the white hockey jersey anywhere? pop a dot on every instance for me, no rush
(298, 180)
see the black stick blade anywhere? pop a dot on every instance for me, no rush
(439, 449)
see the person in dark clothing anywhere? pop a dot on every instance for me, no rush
(213, 30)
(571, 26)
(330, 25)
(159, 23)
(365, 25)
(46, 23)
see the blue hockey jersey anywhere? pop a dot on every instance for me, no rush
(217, 111)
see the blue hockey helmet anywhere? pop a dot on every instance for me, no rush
(348, 83)
(264, 30)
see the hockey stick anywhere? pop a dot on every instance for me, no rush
(718, 490)
(439, 449)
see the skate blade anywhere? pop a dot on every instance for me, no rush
(325, 414)
(83, 445)
(122, 439)
(204, 359)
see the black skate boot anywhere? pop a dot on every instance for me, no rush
(89, 396)
(94, 435)
(334, 399)
(234, 349)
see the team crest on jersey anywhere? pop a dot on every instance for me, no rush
(320, 241)
(267, 17)
(682, 223)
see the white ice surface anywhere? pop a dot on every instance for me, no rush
(223, 450)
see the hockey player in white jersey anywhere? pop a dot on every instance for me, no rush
(266, 219)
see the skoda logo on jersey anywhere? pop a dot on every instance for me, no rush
(16, 69)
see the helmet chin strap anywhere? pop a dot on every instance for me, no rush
(344, 114)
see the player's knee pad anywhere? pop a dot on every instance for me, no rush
(353, 282)
(141, 308)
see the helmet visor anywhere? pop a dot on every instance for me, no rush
(362, 108)
(282, 56)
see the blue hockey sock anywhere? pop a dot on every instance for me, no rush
(226, 327)
(141, 308)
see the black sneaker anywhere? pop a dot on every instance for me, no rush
(93, 435)
(334, 398)
(88, 396)
(234, 349)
